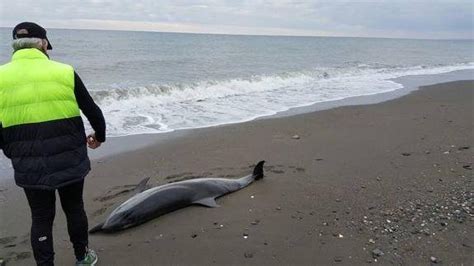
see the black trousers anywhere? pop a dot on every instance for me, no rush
(43, 210)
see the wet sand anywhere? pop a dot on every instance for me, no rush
(387, 183)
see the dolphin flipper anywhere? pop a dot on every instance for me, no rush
(208, 202)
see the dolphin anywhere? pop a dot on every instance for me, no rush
(160, 200)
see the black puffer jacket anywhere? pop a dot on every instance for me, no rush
(53, 154)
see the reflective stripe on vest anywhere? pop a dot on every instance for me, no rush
(34, 89)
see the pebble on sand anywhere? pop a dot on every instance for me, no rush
(248, 255)
(255, 222)
(295, 137)
(377, 253)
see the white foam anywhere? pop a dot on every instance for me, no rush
(158, 109)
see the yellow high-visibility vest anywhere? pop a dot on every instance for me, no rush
(34, 89)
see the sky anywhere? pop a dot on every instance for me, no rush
(424, 19)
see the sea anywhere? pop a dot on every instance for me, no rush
(152, 82)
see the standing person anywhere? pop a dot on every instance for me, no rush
(43, 134)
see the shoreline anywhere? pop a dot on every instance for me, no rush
(358, 180)
(123, 144)
(409, 83)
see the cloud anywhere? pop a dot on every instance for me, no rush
(382, 18)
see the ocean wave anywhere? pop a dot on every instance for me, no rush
(163, 108)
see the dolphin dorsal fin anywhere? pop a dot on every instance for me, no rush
(142, 185)
(208, 202)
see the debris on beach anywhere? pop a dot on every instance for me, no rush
(406, 153)
(295, 137)
(377, 253)
(433, 259)
(219, 226)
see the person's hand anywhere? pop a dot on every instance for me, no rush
(92, 142)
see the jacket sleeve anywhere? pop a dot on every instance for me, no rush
(1, 137)
(89, 108)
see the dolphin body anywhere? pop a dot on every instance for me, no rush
(160, 200)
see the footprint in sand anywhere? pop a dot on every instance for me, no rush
(16, 256)
(7, 240)
(300, 169)
(178, 175)
(111, 195)
(102, 210)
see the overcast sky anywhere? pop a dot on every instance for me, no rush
(374, 18)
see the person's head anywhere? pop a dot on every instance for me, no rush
(30, 35)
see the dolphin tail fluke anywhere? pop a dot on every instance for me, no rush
(258, 170)
(96, 228)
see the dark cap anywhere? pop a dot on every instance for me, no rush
(30, 30)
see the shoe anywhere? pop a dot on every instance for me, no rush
(91, 259)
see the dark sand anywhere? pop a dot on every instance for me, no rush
(394, 177)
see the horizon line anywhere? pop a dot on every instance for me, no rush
(253, 34)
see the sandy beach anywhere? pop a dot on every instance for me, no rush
(388, 183)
